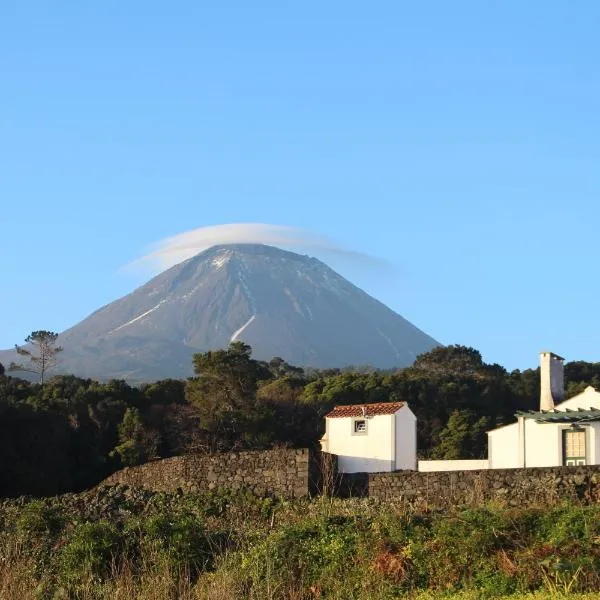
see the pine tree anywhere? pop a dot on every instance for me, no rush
(42, 358)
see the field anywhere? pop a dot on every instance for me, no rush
(126, 543)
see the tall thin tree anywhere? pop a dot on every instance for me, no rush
(42, 358)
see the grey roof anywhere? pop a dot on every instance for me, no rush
(568, 415)
(553, 354)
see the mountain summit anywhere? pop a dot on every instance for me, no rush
(281, 303)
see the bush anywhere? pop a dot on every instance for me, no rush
(314, 554)
(37, 522)
(182, 540)
(89, 554)
(567, 524)
(81, 546)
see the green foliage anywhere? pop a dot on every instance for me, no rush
(233, 369)
(136, 443)
(61, 436)
(182, 541)
(70, 433)
(313, 553)
(224, 392)
(462, 546)
(220, 502)
(89, 554)
(463, 435)
(455, 360)
(166, 391)
(257, 548)
(37, 520)
(279, 368)
(568, 525)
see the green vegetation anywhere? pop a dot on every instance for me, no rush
(129, 543)
(70, 433)
(123, 543)
(42, 358)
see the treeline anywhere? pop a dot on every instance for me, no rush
(70, 433)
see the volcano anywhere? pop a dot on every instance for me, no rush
(281, 303)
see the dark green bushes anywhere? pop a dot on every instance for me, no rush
(88, 553)
(71, 433)
(316, 553)
(493, 551)
(79, 546)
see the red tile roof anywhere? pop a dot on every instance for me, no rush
(365, 410)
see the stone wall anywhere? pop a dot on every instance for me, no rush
(298, 473)
(281, 473)
(514, 487)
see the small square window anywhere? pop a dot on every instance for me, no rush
(359, 427)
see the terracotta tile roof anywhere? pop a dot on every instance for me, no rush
(365, 410)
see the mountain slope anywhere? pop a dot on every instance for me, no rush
(281, 303)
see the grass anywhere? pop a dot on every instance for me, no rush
(127, 544)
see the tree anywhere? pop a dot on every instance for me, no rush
(462, 437)
(444, 360)
(280, 368)
(165, 391)
(136, 443)
(2, 371)
(42, 359)
(224, 391)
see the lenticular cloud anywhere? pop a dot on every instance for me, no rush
(173, 250)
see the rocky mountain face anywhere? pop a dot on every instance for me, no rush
(281, 303)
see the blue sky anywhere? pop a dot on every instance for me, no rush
(460, 141)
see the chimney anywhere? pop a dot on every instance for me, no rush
(552, 387)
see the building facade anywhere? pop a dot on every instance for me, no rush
(372, 438)
(560, 433)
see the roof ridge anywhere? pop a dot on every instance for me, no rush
(372, 403)
(366, 409)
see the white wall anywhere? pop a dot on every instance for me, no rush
(406, 439)
(552, 433)
(594, 447)
(592, 442)
(589, 398)
(543, 443)
(526, 444)
(370, 453)
(551, 380)
(429, 466)
(503, 447)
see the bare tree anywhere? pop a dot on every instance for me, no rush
(42, 358)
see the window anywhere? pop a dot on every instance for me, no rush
(574, 447)
(359, 427)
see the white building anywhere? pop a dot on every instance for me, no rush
(559, 433)
(371, 438)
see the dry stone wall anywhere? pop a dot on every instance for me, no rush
(281, 473)
(514, 487)
(297, 473)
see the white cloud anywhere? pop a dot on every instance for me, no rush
(173, 250)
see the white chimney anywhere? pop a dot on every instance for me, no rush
(552, 386)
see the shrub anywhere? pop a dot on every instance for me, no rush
(38, 522)
(183, 541)
(314, 554)
(568, 523)
(89, 554)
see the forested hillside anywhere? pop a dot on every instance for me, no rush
(70, 433)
